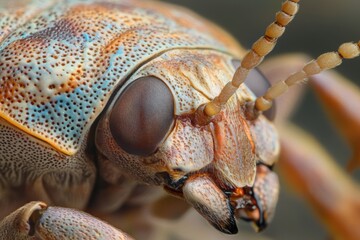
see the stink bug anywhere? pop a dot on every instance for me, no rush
(105, 95)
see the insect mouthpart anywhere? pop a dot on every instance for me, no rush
(257, 204)
(221, 206)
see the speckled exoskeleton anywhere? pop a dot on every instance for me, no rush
(102, 99)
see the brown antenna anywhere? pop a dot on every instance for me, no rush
(323, 62)
(254, 57)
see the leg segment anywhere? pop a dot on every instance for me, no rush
(331, 193)
(341, 99)
(36, 220)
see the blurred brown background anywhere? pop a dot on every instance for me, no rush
(320, 26)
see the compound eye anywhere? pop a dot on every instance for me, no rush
(142, 116)
(258, 84)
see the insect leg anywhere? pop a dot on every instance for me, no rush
(36, 219)
(341, 100)
(328, 189)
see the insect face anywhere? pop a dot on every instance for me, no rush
(209, 165)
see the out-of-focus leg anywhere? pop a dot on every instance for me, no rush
(341, 99)
(328, 189)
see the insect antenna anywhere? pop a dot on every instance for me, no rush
(323, 62)
(263, 46)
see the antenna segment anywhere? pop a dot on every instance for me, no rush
(254, 57)
(323, 62)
